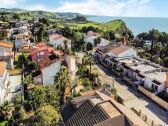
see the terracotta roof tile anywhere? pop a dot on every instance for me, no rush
(42, 47)
(3, 67)
(6, 44)
(46, 62)
(58, 37)
(119, 49)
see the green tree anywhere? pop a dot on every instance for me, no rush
(89, 60)
(28, 79)
(40, 95)
(153, 36)
(4, 18)
(158, 48)
(18, 115)
(1, 37)
(47, 115)
(16, 16)
(44, 21)
(40, 34)
(6, 108)
(62, 81)
(97, 41)
(89, 46)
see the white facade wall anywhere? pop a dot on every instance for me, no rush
(3, 86)
(129, 52)
(59, 42)
(104, 42)
(48, 73)
(148, 84)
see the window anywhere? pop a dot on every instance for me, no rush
(156, 88)
(41, 53)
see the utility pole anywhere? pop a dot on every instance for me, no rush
(22, 89)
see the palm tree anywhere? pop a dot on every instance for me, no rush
(97, 41)
(158, 48)
(62, 81)
(153, 36)
(66, 51)
(89, 60)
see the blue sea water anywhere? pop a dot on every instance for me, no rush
(137, 24)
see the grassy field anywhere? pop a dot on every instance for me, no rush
(80, 26)
(113, 25)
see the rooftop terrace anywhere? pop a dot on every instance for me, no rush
(160, 76)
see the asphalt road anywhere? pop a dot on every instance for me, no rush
(135, 99)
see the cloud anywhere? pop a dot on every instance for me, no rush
(37, 7)
(10, 3)
(109, 7)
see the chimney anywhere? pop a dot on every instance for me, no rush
(166, 82)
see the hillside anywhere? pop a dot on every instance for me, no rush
(40, 13)
(112, 25)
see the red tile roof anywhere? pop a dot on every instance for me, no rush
(42, 47)
(57, 37)
(46, 62)
(6, 44)
(3, 67)
(119, 49)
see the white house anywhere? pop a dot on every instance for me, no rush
(155, 80)
(20, 43)
(122, 51)
(4, 82)
(143, 73)
(49, 72)
(6, 53)
(22, 23)
(91, 36)
(103, 42)
(50, 68)
(58, 40)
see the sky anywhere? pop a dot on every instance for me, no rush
(123, 8)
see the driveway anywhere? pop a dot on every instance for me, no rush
(135, 99)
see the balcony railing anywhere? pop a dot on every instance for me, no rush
(6, 53)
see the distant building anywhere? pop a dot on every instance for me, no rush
(5, 33)
(21, 23)
(6, 53)
(52, 31)
(4, 81)
(58, 40)
(91, 36)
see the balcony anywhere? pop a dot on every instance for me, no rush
(128, 79)
(4, 54)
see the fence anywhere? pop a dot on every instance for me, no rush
(155, 98)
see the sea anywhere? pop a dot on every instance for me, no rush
(136, 24)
